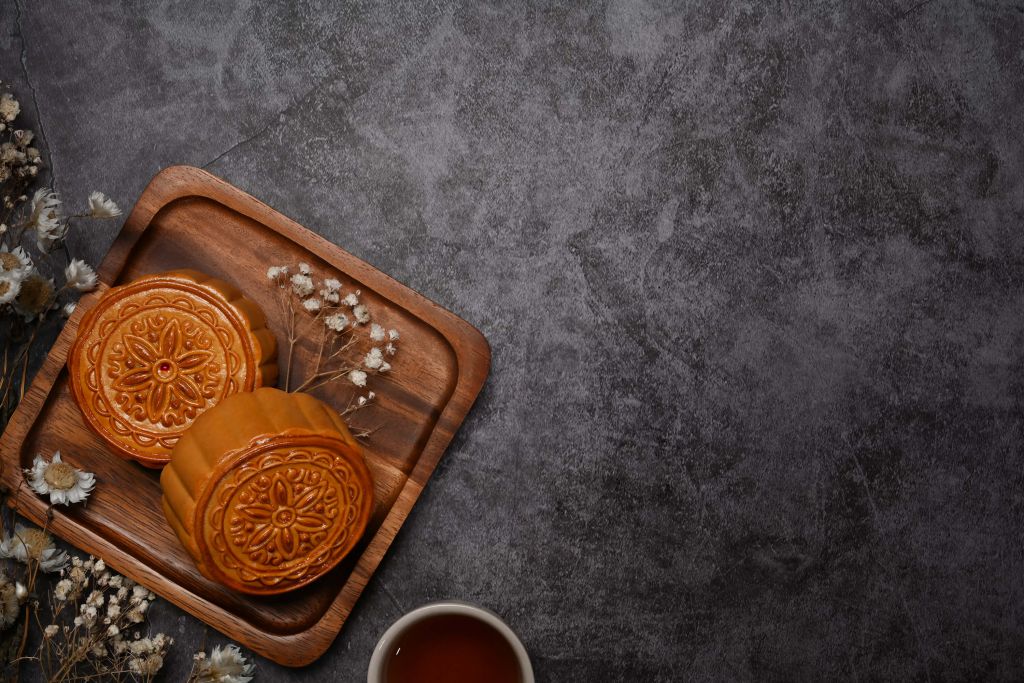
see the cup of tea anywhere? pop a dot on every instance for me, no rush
(450, 641)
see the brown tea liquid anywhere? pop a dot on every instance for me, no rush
(452, 648)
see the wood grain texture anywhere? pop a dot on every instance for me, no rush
(187, 218)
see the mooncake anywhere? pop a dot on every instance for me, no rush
(267, 491)
(154, 354)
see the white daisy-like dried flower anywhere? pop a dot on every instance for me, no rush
(60, 481)
(393, 335)
(36, 295)
(304, 268)
(69, 308)
(99, 566)
(44, 218)
(274, 272)
(332, 285)
(28, 543)
(302, 284)
(9, 107)
(361, 401)
(9, 289)
(390, 349)
(80, 276)
(336, 322)
(376, 332)
(384, 367)
(311, 305)
(16, 262)
(357, 377)
(224, 665)
(351, 299)
(362, 315)
(50, 631)
(101, 206)
(373, 359)
(10, 602)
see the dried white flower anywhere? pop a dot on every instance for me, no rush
(274, 272)
(60, 481)
(45, 218)
(50, 631)
(99, 566)
(147, 666)
(376, 332)
(361, 314)
(393, 335)
(10, 603)
(15, 263)
(330, 296)
(302, 284)
(35, 297)
(101, 206)
(80, 275)
(28, 543)
(332, 285)
(390, 349)
(384, 367)
(373, 359)
(351, 299)
(303, 268)
(336, 322)
(224, 665)
(69, 308)
(357, 377)
(10, 287)
(311, 305)
(9, 107)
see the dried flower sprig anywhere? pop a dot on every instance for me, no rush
(33, 253)
(96, 617)
(350, 346)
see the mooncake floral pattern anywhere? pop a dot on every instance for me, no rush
(281, 519)
(284, 515)
(162, 371)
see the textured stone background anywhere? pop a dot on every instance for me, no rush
(753, 276)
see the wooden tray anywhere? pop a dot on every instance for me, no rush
(189, 218)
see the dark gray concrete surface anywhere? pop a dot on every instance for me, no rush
(753, 275)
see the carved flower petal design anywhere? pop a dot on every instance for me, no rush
(157, 400)
(193, 360)
(291, 515)
(186, 389)
(140, 350)
(134, 380)
(170, 340)
(165, 372)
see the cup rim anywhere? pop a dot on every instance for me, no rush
(375, 672)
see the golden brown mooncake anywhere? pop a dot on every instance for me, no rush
(268, 491)
(155, 353)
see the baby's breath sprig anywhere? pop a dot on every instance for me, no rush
(351, 347)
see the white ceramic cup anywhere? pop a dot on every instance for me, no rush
(385, 646)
